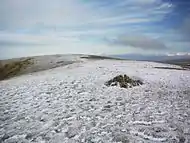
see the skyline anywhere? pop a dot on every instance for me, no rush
(41, 27)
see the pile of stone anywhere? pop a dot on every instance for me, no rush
(123, 81)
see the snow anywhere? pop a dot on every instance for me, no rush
(72, 104)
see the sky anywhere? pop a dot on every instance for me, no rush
(105, 27)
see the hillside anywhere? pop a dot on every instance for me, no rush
(185, 63)
(19, 66)
(74, 103)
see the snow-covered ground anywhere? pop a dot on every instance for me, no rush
(71, 104)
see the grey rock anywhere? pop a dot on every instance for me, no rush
(121, 137)
(5, 136)
(71, 132)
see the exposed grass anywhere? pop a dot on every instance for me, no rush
(170, 68)
(184, 63)
(94, 57)
(13, 68)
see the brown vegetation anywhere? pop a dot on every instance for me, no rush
(13, 68)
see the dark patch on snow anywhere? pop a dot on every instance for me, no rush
(121, 137)
(71, 132)
(29, 136)
(95, 57)
(5, 137)
(170, 68)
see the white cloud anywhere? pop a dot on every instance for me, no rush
(27, 13)
(36, 39)
(138, 41)
(30, 45)
(178, 54)
(62, 23)
(138, 2)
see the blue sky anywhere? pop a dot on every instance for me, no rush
(38, 27)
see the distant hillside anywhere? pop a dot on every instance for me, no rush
(184, 62)
(179, 61)
(156, 58)
(19, 66)
(96, 57)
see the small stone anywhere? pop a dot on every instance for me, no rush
(29, 136)
(121, 103)
(48, 92)
(72, 110)
(71, 132)
(181, 139)
(42, 119)
(5, 136)
(109, 102)
(92, 99)
(120, 137)
(119, 98)
(107, 106)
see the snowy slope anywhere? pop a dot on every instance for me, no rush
(71, 104)
(36, 64)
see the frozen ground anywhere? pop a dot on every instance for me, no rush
(71, 104)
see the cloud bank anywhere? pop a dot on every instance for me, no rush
(93, 27)
(138, 41)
